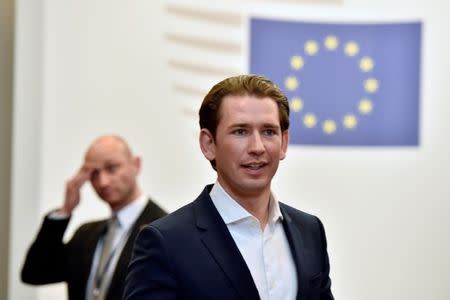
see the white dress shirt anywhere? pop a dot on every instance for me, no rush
(266, 253)
(127, 216)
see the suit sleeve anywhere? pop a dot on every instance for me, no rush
(325, 293)
(46, 258)
(150, 274)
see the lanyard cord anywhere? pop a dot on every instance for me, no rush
(100, 275)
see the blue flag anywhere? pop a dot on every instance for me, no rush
(347, 84)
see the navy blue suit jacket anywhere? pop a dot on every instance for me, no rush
(190, 254)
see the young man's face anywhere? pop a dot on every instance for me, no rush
(248, 145)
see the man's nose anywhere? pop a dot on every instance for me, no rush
(103, 179)
(256, 144)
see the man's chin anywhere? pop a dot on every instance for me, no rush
(254, 186)
(108, 198)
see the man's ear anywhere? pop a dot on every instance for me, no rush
(137, 164)
(207, 144)
(284, 144)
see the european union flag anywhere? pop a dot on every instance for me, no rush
(347, 84)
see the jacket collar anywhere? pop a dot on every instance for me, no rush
(219, 242)
(296, 245)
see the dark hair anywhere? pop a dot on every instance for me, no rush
(251, 85)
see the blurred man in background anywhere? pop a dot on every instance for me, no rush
(93, 263)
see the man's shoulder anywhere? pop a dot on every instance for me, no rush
(185, 217)
(92, 225)
(294, 211)
(177, 219)
(151, 211)
(298, 215)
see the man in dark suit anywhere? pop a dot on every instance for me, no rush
(236, 240)
(93, 263)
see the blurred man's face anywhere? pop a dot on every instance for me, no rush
(113, 172)
(248, 145)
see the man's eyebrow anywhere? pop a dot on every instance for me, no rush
(110, 161)
(239, 125)
(271, 125)
(245, 125)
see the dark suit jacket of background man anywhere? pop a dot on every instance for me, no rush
(49, 260)
(190, 254)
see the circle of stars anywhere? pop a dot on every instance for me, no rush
(370, 85)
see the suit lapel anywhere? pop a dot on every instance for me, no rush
(220, 244)
(90, 243)
(296, 245)
(150, 213)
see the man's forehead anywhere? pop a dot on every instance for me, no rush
(241, 101)
(97, 165)
(243, 106)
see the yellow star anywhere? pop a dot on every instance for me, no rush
(331, 42)
(329, 127)
(310, 120)
(291, 83)
(365, 106)
(296, 104)
(311, 47)
(350, 121)
(371, 85)
(366, 64)
(297, 62)
(351, 48)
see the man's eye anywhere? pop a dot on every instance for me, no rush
(111, 168)
(239, 131)
(269, 132)
(94, 174)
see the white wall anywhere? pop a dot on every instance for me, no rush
(26, 121)
(89, 67)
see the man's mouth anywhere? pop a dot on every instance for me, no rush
(106, 192)
(254, 165)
